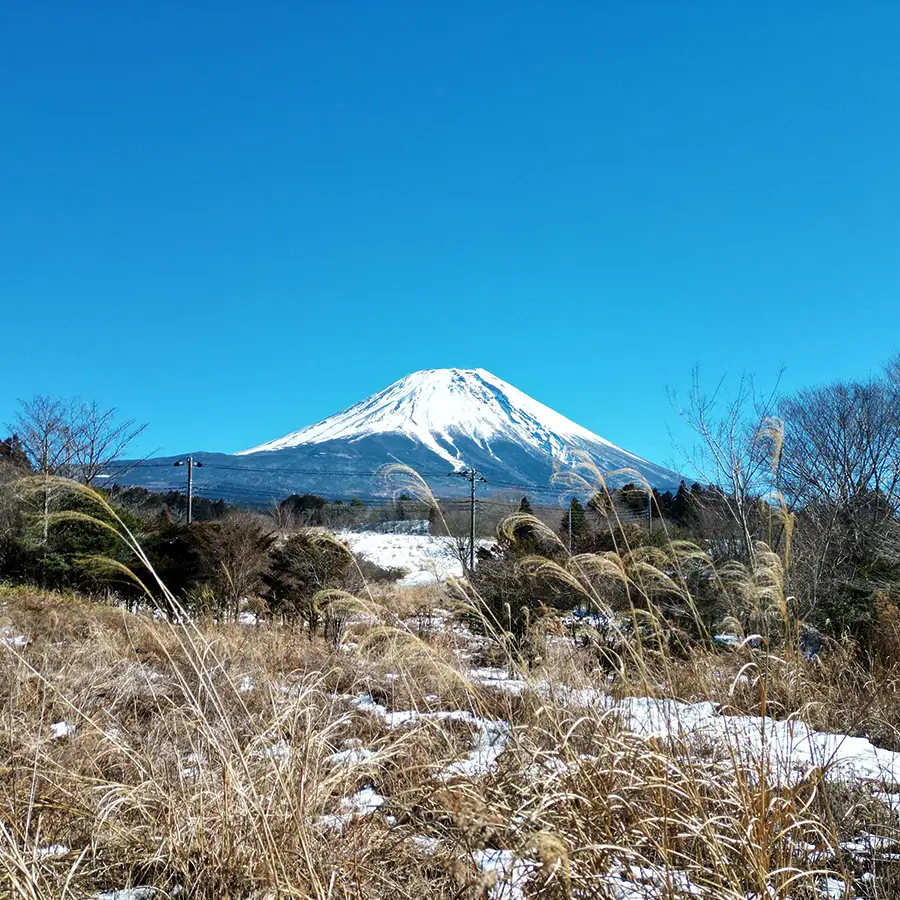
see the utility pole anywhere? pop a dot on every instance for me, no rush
(471, 475)
(189, 462)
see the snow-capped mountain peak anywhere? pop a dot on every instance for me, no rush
(437, 407)
(436, 422)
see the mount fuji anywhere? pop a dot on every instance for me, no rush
(436, 421)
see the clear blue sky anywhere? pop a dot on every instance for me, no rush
(233, 219)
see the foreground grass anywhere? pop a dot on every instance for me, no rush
(255, 762)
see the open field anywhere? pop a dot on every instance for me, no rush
(409, 759)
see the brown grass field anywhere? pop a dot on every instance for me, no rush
(200, 760)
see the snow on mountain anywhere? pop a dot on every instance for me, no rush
(448, 404)
(435, 421)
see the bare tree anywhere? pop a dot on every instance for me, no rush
(892, 374)
(46, 430)
(841, 470)
(101, 440)
(738, 449)
(841, 442)
(459, 547)
(284, 519)
(13, 466)
(72, 438)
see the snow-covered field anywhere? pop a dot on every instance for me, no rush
(789, 748)
(787, 751)
(424, 557)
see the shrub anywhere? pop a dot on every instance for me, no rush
(306, 563)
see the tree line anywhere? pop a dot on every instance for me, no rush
(809, 478)
(812, 476)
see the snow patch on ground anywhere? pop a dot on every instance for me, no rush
(60, 730)
(362, 803)
(135, 893)
(510, 873)
(10, 638)
(425, 557)
(354, 754)
(492, 735)
(789, 747)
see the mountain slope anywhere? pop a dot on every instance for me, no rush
(436, 421)
(435, 405)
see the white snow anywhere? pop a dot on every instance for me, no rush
(10, 638)
(636, 882)
(352, 756)
(194, 763)
(509, 872)
(426, 558)
(788, 746)
(280, 751)
(61, 730)
(890, 799)
(500, 680)
(435, 406)
(362, 803)
(135, 893)
(834, 888)
(52, 851)
(427, 844)
(492, 735)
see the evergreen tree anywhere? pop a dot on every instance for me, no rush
(400, 510)
(308, 508)
(682, 507)
(634, 497)
(662, 504)
(579, 522)
(600, 504)
(525, 507)
(12, 451)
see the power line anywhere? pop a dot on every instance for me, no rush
(278, 471)
(533, 488)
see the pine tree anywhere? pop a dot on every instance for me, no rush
(682, 507)
(601, 504)
(525, 507)
(634, 497)
(12, 450)
(579, 522)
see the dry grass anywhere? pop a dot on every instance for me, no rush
(174, 776)
(201, 758)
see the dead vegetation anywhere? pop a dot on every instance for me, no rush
(230, 760)
(253, 761)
